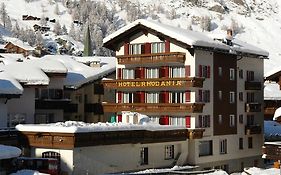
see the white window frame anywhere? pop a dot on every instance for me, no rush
(223, 146)
(220, 119)
(169, 152)
(152, 97)
(220, 71)
(158, 47)
(231, 120)
(220, 95)
(152, 72)
(232, 74)
(231, 97)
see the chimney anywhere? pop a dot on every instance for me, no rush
(229, 37)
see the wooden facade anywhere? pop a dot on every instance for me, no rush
(12, 48)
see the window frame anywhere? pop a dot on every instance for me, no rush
(223, 146)
(232, 120)
(169, 152)
(231, 74)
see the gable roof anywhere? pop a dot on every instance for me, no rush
(189, 39)
(9, 85)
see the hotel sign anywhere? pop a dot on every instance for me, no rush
(163, 83)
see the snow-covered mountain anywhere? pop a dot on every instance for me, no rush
(254, 21)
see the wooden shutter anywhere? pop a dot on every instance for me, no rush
(119, 118)
(137, 72)
(142, 72)
(167, 46)
(119, 97)
(208, 71)
(119, 73)
(187, 121)
(164, 120)
(126, 48)
(166, 97)
(187, 96)
(147, 48)
(187, 70)
(142, 97)
(200, 95)
(137, 97)
(200, 70)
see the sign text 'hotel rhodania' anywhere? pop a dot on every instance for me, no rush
(149, 83)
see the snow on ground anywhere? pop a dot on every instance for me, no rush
(28, 172)
(259, 171)
(77, 127)
(7, 152)
(271, 91)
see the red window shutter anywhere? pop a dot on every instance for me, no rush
(187, 70)
(187, 96)
(126, 48)
(119, 118)
(119, 97)
(166, 97)
(167, 46)
(200, 70)
(164, 71)
(200, 95)
(142, 72)
(187, 121)
(142, 97)
(208, 72)
(164, 120)
(119, 73)
(147, 48)
(137, 72)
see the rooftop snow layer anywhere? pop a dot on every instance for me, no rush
(78, 127)
(19, 43)
(26, 73)
(8, 58)
(271, 91)
(9, 85)
(272, 130)
(48, 66)
(79, 73)
(7, 152)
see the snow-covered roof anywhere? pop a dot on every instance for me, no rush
(19, 43)
(79, 73)
(8, 58)
(48, 66)
(28, 172)
(8, 85)
(188, 37)
(88, 59)
(80, 127)
(277, 113)
(7, 152)
(271, 91)
(26, 73)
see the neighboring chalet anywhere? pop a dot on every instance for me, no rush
(42, 29)
(184, 78)
(16, 46)
(84, 88)
(272, 93)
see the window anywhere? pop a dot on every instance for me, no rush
(220, 119)
(240, 143)
(232, 120)
(231, 97)
(231, 74)
(223, 146)
(220, 95)
(241, 118)
(250, 76)
(128, 74)
(144, 156)
(204, 121)
(169, 152)
(177, 72)
(152, 97)
(136, 49)
(177, 97)
(98, 89)
(204, 96)
(241, 74)
(177, 121)
(128, 97)
(205, 148)
(204, 71)
(250, 142)
(220, 71)
(158, 47)
(240, 96)
(250, 120)
(250, 97)
(152, 73)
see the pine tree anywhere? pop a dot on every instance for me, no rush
(88, 50)
(57, 28)
(57, 10)
(3, 14)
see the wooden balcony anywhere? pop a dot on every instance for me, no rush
(252, 129)
(252, 107)
(196, 133)
(173, 57)
(249, 85)
(154, 107)
(154, 83)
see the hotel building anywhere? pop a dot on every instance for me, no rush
(185, 78)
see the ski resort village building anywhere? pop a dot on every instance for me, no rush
(185, 78)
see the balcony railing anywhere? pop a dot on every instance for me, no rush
(195, 133)
(252, 107)
(252, 129)
(154, 107)
(249, 85)
(154, 83)
(173, 57)
(52, 94)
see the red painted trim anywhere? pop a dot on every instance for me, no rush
(187, 96)
(187, 70)
(119, 118)
(126, 48)
(147, 48)
(187, 121)
(119, 73)
(167, 46)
